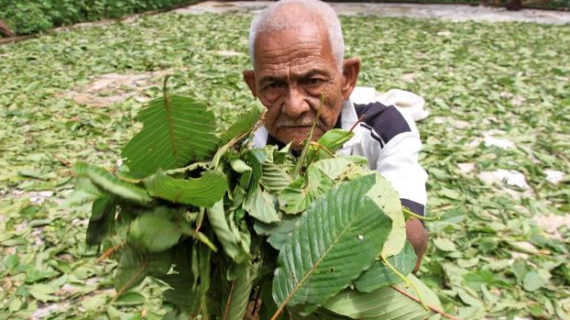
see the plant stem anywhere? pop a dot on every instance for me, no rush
(308, 141)
(417, 216)
(398, 273)
(431, 308)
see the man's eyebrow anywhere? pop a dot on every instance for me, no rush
(308, 74)
(271, 79)
(313, 72)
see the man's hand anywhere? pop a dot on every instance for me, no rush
(417, 235)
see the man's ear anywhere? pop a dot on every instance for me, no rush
(249, 78)
(350, 71)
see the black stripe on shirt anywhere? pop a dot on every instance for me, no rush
(373, 134)
(413, 206)
(387, 122)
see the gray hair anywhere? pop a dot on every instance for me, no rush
(271, 19)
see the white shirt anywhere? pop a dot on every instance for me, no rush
(390, 140)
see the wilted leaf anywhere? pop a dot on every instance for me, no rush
(262, 206)
(199, 192)
(112, 184)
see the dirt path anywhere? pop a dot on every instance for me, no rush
(427, 11)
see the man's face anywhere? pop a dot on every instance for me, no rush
(293, 69)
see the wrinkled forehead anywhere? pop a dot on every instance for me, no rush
(298, 45)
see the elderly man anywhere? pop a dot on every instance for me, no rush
(297, 52)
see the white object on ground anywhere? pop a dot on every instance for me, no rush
(491, 141)
(510, 177)
(554, 176)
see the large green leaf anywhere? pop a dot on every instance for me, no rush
(182, 291)
(319, 259)
(227, 233)
(112, 184)
(387, 198)
(134, 266)
(241, 282)
(261, 205)
(176, 131)
(380, 275)
(199, 192)
(243, 124)
(385, 303)
(156, 231)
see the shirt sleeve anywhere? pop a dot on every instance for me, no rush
(398, 163)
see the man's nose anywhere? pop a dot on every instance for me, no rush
(295, 103)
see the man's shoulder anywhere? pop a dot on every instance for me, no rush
(384, 122)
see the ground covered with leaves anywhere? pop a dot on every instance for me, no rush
(496, 147)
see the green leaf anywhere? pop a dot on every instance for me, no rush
(85, 192)
(476, 279)
(199, 192)
(379, 275)
(274, 178)
(332, 140)
(155, 231)
(444, 244)
(533, 281)
(176, 131)
(235, 303)
(303, 191)
(278, 232)
(43, 292)
(333, 167)
(182, 291)
(319, 259)
(112, 184)
(131, 270)
(384, 303)
(387, 198)
(240, 166)
(227, 232)
(134, 266)
(102, 220)
(243, 124)
(261, 205)
(130, 299)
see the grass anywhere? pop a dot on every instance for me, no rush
(488, 255)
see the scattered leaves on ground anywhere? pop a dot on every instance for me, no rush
(489, 255)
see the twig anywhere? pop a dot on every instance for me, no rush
(308, 141)
(130, 282)
(109, 252)
(356, 123)
(432, 308)
(62, 161)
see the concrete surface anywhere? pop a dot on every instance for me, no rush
(426, 11)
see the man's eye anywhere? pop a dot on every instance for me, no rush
(314, 81)
(274, 85)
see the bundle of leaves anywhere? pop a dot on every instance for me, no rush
(227, 225)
